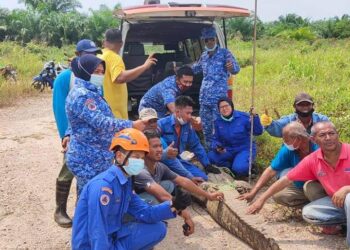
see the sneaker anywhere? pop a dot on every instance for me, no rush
(211, 169)
(331, 230)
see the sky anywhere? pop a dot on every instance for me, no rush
(268, 10)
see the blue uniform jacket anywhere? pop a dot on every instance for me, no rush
(97, 222)
(275, 128)
(215, 74)
(188, 138)
(61, 87)
(92, 127)
(235, 134)
(160, 95)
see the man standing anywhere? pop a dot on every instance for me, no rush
(114, 86)
(330, 166)
(161, 96)
(98, 220)
(216, 64)
(176, 130)
(62, 84)
(304, 113)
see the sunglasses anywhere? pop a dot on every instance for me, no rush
(209, 40)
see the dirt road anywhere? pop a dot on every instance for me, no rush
(30, 159)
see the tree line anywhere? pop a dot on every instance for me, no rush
(58, 22)
(55, 22)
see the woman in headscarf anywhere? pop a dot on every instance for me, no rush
(91, 122)
(231, 139)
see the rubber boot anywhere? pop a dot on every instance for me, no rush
(62, 192)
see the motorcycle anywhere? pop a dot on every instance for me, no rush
(47, 75)
(9, 73)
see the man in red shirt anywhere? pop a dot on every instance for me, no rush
(330, 165)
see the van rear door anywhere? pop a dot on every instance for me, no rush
(180, 12)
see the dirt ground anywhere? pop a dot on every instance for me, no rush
(30, 160)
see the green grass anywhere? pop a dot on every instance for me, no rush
(28, 61)
(285, 68)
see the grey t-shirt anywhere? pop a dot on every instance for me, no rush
(145, 178)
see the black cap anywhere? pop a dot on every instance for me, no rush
(303, 97)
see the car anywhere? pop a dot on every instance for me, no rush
(173, 32)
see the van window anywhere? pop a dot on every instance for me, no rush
(193, 48)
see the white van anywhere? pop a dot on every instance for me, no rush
(173, 31)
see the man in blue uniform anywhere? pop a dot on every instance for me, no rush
(230, 146)
(177, 130)
(304, 113)
(161, 97)
(62, 84)
(216, 64)
(92, 123)
(98, 220)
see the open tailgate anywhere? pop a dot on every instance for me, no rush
(180, 12)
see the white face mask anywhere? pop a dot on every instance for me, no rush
(181, 121)
(289, 147)
(212, 49)
(97, 80)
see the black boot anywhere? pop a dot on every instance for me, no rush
(62, 192)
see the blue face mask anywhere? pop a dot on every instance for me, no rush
(135, 166)
(97, 80)
(227, 119)
(212, 49)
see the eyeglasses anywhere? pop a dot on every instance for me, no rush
(209, 39)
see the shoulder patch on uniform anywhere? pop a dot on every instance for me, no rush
(104, 199)
(107, 189)
(90, 103)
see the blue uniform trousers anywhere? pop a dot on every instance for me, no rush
(208, 113)
(176, 165)
(237, 161)
(142, 236)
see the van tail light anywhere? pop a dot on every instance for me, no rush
(230, 82)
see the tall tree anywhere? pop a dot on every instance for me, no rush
(48, 6)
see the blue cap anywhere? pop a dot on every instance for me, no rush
(208, 32)
(87, 45)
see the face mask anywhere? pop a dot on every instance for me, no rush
(228, 119)
(97, 80)
(212, 49)
(182, 88)
(181, 121)
(135, 166)
(289, 147)
(304, 114)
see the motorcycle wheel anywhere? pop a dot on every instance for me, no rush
(38, 86)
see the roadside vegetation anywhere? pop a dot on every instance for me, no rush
(294, 54)
(287, 67)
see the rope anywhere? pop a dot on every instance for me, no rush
(253, 94)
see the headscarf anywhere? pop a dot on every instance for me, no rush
(84, 66)
(229, 101)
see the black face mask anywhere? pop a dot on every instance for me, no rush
(304, 114)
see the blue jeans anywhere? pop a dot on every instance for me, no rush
(323, 212)
(150, 199)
